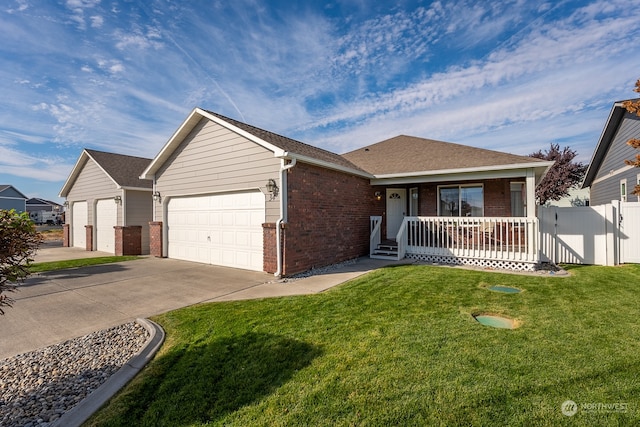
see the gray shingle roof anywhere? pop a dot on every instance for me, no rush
(409, 154)
(124, 170)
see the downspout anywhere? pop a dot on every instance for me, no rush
(283, 212)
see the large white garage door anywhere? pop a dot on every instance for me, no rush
(106, 219)
(222, 229)
(78, 221)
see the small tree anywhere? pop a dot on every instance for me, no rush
(19, 241)
(634, 108)
(561, 177)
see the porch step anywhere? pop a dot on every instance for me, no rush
(386, 251)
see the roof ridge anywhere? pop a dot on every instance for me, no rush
(90, 150)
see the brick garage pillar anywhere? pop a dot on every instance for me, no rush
(269, 248)
(66, 242)
(155, 238)
(128, 240)
(89, 234)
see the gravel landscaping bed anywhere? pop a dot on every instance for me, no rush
(36, 388)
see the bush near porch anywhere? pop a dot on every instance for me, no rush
(399, 347)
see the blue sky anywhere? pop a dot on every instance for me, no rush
(122, 75)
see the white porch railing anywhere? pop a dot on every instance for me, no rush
(487, 240)
(375, 223)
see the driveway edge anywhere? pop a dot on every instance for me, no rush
(88, 406)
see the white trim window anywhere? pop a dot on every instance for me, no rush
(461, 200)
(413, 201)
(518, 199)
(623, 190)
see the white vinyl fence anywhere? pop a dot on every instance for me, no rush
(602, 235)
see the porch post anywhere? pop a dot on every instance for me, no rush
(531, 193)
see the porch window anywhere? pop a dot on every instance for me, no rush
(413, 202)
(459, 200)
(518, 199)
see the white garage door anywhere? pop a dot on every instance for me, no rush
(106, 219)
(222, 229)
(79, 220)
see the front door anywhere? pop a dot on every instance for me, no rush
(396, 210)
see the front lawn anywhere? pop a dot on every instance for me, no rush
(399, 347)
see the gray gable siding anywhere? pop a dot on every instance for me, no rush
(605, 191)
(11, 203)
(10, 198)
(139, 206)
(619, 151)
(608, 188)
(213, 159)
(11, 192)
(92, 185)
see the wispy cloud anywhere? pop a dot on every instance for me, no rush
(121, 76)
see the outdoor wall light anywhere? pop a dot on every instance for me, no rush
(156, 196)
(117, 199)
(378, 195)
(272, 188)
(66, 204)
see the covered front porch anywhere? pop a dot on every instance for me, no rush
(506, 243)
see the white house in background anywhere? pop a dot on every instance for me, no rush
(577, 197)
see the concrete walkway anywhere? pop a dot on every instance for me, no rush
(53, 307)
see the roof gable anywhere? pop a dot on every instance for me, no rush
(617, 114)
(10, 191)
(409, 155)
(123, 170)
(290, 146)
(35, 201)
(281, 146)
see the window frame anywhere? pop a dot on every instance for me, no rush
(459, 187)
(414, 202)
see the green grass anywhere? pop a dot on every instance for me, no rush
(40, 267)
(399, 347)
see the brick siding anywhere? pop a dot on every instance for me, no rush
(89, 237)
(155, 239)
(66, 241)
(128, 240)
(270, 256)
(328, 218)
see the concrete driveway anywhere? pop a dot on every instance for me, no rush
(53, 307)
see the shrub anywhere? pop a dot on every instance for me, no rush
(19, 241)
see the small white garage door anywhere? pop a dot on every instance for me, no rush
(79, 217)
(221, 229)
(106, 219)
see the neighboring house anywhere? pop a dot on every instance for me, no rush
(608, 175)
(576, 197)
(11, 198)
(108, 206)
(231, 194)
(45, 211)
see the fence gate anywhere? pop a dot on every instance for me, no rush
(602, 235)
(629, 232)
(576, 235)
